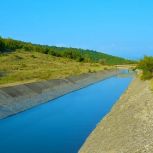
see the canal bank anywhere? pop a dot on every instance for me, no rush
(19, 98)
(129, 125)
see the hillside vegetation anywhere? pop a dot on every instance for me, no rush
(23, 66)
(27, 62)
(146, 65)
(79, 55)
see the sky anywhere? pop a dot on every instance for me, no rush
(118, 27)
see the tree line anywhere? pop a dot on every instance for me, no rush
(81, 55)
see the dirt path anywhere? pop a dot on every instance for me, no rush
(128, 128)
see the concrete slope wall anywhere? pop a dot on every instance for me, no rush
(25, 96)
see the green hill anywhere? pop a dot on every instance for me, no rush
(80, 55)
(26, 62)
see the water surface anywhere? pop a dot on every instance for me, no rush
(61, 125)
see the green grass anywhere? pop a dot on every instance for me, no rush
(23, 66)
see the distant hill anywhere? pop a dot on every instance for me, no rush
(80, 55)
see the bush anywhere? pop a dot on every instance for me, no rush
(105, 68)
(102, 61)
(146, 65)
(146, 75)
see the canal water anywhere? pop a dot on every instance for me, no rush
(63, 124)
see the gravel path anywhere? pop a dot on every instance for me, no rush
(128, 128)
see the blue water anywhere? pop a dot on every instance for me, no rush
(62, 125)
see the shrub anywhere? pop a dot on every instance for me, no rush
(105, 68)
(146, 65)
(102, 61)
(146, 75)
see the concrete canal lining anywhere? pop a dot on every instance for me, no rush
(19, 98)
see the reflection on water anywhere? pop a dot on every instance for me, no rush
(126, 73)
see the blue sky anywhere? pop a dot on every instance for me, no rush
(118, 27)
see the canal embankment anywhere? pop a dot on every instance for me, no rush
(129, 125)
(18, 98)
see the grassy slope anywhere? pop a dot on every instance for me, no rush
(71, 53)
(25, 62)
(22, 66)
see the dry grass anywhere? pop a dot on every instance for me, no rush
(22, 66)
(152, 84)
